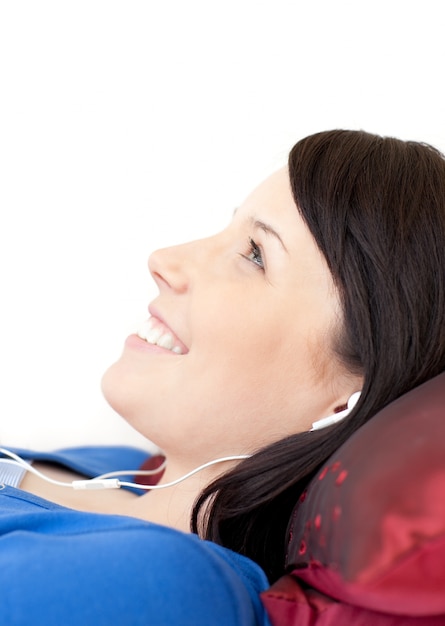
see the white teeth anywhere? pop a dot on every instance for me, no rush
(153, 335)
(145, 329)
(166, 341)
(156, 336)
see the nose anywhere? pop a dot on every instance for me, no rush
(171, 267)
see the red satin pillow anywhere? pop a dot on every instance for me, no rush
(367, 542)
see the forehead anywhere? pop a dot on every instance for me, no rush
(274, 193)
(272, 206)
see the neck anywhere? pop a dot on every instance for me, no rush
(173, 505)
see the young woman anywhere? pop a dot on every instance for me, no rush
(328, 285)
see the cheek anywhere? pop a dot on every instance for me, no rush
(253, 380)
(246, 342)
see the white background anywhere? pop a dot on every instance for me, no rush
(129, 125)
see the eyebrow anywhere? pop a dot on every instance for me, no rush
(267, 228)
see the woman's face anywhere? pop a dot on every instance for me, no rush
(253, 310)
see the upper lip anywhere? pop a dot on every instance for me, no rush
(154, 312)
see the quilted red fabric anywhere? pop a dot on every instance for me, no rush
(367, 543)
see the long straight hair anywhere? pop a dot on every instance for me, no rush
(376, 209)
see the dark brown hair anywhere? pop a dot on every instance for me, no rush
(376, 209)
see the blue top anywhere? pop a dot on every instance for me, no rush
(60, 566)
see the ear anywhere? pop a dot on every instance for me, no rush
(337, 415)
(340, 407)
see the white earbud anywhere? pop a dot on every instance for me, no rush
(337, 417)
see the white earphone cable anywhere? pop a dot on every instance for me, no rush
(107, 481)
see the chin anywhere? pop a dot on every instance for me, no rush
(123, 393)
(115, 391)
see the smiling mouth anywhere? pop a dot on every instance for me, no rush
(153, 331)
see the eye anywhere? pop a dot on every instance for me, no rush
(255, 254)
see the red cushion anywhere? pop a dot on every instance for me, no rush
(289, 604)
(151, 463)
(368, 540)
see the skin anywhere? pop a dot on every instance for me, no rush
(258, 320)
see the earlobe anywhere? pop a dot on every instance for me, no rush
(337, 417)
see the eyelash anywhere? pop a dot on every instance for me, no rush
(255, 255)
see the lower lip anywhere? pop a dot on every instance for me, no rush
(136, 343)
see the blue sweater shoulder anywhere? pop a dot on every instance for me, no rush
(59, 566)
